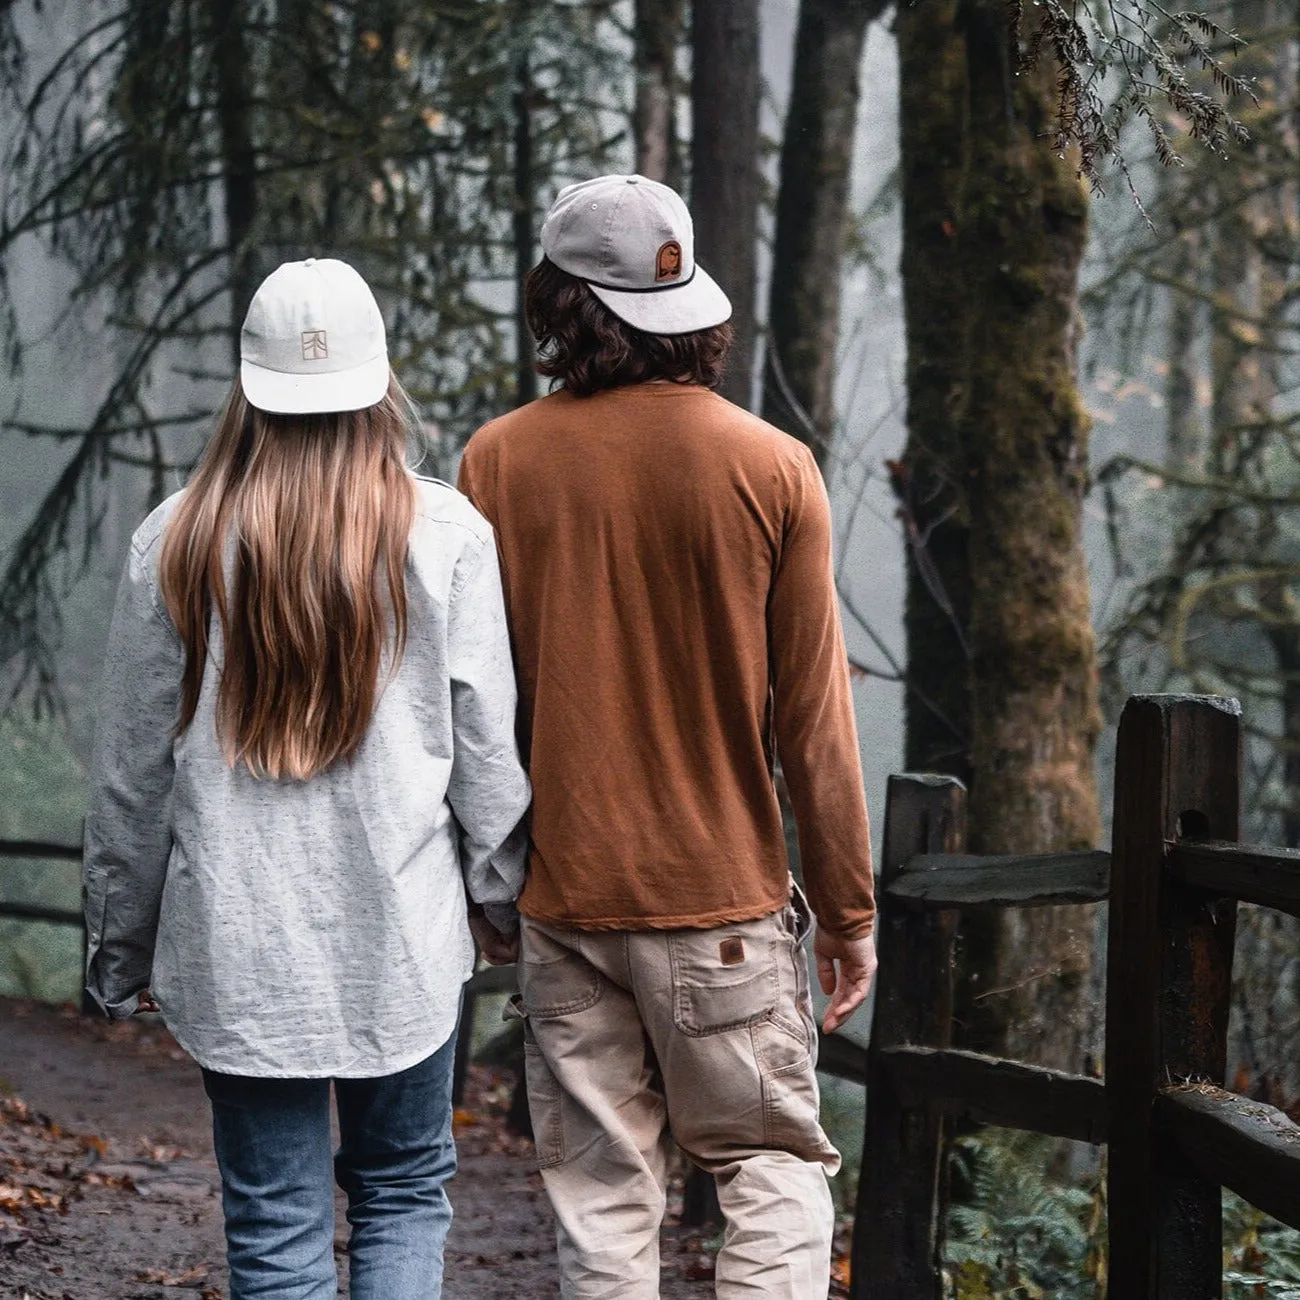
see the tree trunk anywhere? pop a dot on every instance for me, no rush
(657, 32)
(725, 84)
(1183, 440)
(232, 70)
(812, 219)
(524, 239)
(994, 229)
(929, 480)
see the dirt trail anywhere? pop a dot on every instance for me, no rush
(108, 1188)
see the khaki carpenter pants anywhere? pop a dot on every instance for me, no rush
(709, 1035)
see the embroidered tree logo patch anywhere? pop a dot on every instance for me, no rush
(668, 261)
(314, 346)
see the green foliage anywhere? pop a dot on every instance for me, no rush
(1261, 1257)
(1162, 59)
(41, 797)
(1020, 1234)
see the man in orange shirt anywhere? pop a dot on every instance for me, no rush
(667, 566)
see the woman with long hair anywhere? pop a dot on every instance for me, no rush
(306, 781)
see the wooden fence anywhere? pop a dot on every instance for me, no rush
(1175, 1136)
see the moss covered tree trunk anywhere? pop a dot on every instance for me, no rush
(929, 481)
(725, 85)
(812, 219)
(1000, 636)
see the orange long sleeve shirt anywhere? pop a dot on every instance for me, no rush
(667, 566)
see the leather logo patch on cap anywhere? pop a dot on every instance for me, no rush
(668, 261)
(732, 951)
(314, 346)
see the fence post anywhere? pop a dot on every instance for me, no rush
(896, 1233)
(1168, 978)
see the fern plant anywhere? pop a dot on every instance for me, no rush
(1261, 1257)
(1020, 1234)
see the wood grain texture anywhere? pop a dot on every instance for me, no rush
(1169, 971)
(1252, 1148)
(1246, 872)
(993, 1091)
(1037, 880)
(896, 1232)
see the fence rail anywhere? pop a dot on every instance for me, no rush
(1172, 883)
(17, 911)
(988, 1090)
(934, 881)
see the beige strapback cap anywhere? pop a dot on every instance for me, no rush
(631, 240)
(313, 341)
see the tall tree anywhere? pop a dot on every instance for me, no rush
(725, 87)
(523, 230)
(812, 219)
(1000, 643)
(656, 37)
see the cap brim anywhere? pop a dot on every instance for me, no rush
(699, 304)
(338, 390)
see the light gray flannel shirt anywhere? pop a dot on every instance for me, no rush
(309, 928)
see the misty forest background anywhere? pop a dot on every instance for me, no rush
(1024, 280)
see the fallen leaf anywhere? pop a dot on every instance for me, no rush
(700, 1269)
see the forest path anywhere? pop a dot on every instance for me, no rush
(109, 1190)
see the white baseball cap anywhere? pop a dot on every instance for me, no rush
(632, 242)
(313, 340)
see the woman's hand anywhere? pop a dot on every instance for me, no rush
(146, 1002)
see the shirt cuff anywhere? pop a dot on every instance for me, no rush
(122, 1010)
(504, 917)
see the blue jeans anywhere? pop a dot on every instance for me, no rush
(272, 1139)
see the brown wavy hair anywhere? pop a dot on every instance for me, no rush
(319, 511)
(583, 345)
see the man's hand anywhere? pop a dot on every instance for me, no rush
(497, 949)
(146, 1002)
(845, 969)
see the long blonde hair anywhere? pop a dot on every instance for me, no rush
(320, 508)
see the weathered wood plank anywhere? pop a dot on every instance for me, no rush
(1245, 1145)
(1040, 880)
(39, 849)
(31, 912)
(1246, 872)
(896, 1231)
(993, 1091)
(1168, 978)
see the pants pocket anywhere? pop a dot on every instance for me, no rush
(555, 980)
(791, 1100)
(544, 1105)
(725, 978)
